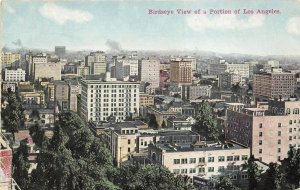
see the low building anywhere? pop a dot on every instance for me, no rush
(192, 92)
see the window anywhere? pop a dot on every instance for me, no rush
(176, 161)
(279, 124)
(291, 122)
(260, 151)
(128, 149)
(278, 158)
(290, 138)
(279, 141)
(278, 150)
(184, 171)
(201, 160)
(221, 158)
(290, 130)
(279, 133)
(211, 159)
(192, 170)
(201, 170)
(192, 160)
(236, 158)
(244, 157)
(176, 171)
(244, 176)
(260, 125)
(229, 158)
(260, 134)
(221, 169)
(211, 169)
(184, 161)
(260, 142)
(128, 141)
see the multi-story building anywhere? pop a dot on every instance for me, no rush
(14, 75)
(277, 84)
(28, 66)
(192, 92)
(269, 132)
(219, 68)
(35, 97)
(74, 91)
(5, 164)
(181, 72)
(226, 80)
(61, 95)
(106, 98)
(60, 51)
(10, 59)
(125, 67)
(83, 71)
(192, 60)
(204, 159)
(47, 70)
(149, 72)
(146, 100)
(96, 61)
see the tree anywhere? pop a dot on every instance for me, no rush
(12, 114)
(206, 122)
(236, 89)
(254, 173)
(291, 166)
(21, 166)
(152, 121)
(38, 136)
(226, 184)
(35, 115)
(274, 178)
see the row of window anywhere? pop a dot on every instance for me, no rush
(209, 159)
(202, 170)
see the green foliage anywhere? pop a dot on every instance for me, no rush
(274, 178)
(21, 166)
(236, 89)
(291, 166)
(226, 184)
(12, 114)
(254, 173)
(35, 115)
(38, 136)
(150, 176)
(206, 122)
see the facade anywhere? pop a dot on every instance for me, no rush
(47, 70)
(14, 75)
(226, 80)
(6, 165)
(269, 132)
(74, 91)
(9, 85)
(219, 68)
(96, 61)
(60, 51)
(10, 59)
(36, 97)
(149, 72)
(192, 92)
(125, 67)
(28, 66)
(274, 85)
(201, 159)
(102, 99)
(146, 100)
(83, 71)
(61, 95)
(181, 72)
(192, 60)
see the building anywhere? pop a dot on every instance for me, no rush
(269, 132)
(192, 60)
(5, 164)
(9, 85)
(33, 98)
(96, 61)
(277, 84)
(83, 71)
(241, 69)
(226, 80)
(28, 66)
(181, 72)
(208, 160)
(192, 92)
(146, 100)
(125, 67)
(74, 91)
(60, 51)
(61, 95)
(107, 98)
(16, 75)
(149, 72)
(47, 70)
(10, 59)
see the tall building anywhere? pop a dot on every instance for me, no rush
(126, 67)
(109, 98)
(192, 92)
(60, 51)
(47, 70)
(74, 91)
(14, 75)
(241, 69)
(10, 59)
(226, 80)
(97, 62)
(149, 72)
(193, 61)
(28, 66)
(267, 131)
(61, 95)
(181, 72)
(277, 84)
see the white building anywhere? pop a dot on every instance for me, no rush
(149, 71)
(97, 62)
(104, 99)
(220, 68)
(125, 67)
(14, 75)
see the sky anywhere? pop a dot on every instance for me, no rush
(126, 24)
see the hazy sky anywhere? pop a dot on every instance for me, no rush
(90, 24)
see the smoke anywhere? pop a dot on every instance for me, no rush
(18, 43)
(113, 45)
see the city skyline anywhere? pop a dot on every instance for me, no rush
(104, 25)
